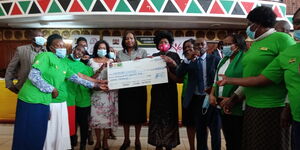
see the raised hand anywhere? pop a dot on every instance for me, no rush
(170, 62)
(224, 80)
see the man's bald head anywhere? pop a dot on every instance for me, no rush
(35, 33)
(201, 45)
(283, 26)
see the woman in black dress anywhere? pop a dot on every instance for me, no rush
(163, 123)
(132, 101)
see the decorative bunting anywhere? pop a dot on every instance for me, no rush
(205, 4)
(7, 7)
(87, 4)
(76, 7)
(290, 19)
(44, 4)
(283, 10)
(158, 4)
(122, 7)
(24, 5)
(170, 8)
(216, 9)
(193, 8)
(54, 8)
(248, 6)
(267, 5)
(110, 3)
(182, 4)
(134, 3)
(16, 10)
(227, 4)
(237, 10)
(1, 12)
(99, 6)
(276, 11)
(146, 7)
(34, 9)
(65, 4)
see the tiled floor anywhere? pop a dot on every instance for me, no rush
(6, 132)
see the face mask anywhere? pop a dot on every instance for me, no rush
(101, 52)
(61, 52)
(86, 48)
(250, 33)
(164, 47)
(75, 59)
(227, 51)
(40, 40)
(112, 55)
(205, 105)
(297, 34)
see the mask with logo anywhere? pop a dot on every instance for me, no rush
(250, 33)
(205, 104)
(75, 59)
(61, 52)
(164, 47)
(101, 52)
(40, 40)
(112, 55)
(297, 34)
(227, 51)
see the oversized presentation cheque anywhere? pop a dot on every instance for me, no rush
(147, 71)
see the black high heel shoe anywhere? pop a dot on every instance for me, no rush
(97, 148)
(138, 146)
(125, 145)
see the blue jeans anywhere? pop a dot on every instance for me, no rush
(296, 135)
(212, 120)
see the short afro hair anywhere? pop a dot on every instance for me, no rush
(163, 35)
(81, 39)
(50, 40)
(263, 16)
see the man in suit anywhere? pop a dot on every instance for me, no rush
(201, 68)
(218, 52)
(21, 62)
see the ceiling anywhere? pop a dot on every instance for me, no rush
(125, 21)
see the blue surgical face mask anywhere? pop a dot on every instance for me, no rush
(75, 59)
(297, 35)
(227, 50)
(40, 40)
(250, 33)
(205, 104)
(112, 55)
(101, 52)
(61, 52)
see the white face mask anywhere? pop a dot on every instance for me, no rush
(40, 40)
(112, 55)
(101, 52)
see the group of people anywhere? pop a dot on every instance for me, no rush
(251, 94)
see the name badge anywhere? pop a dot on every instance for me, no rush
(292, 60)
(263, 48)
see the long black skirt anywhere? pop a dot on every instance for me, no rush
(262, 131)
(132, 105)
